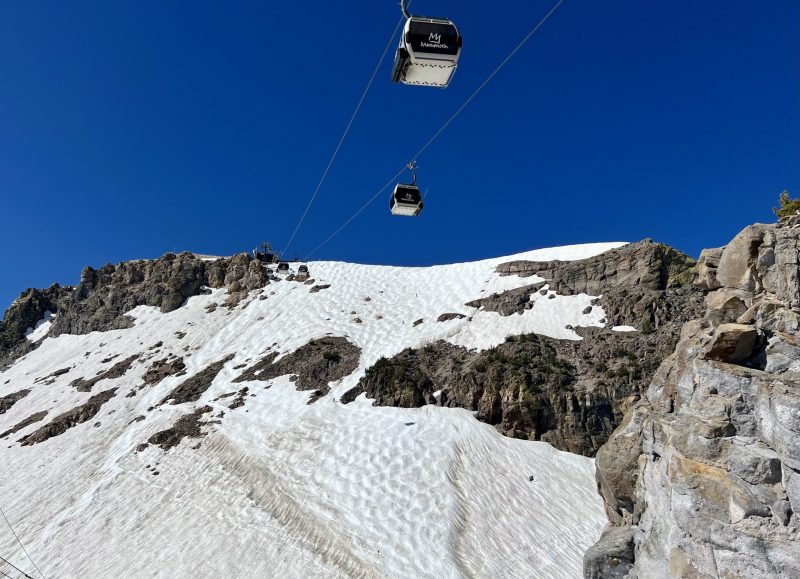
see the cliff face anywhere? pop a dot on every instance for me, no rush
(103, 296)
(572, 394)
(702, 478)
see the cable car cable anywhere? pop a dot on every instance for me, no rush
(447, 123)
(344, 134)
(20, 542)
(15, 568)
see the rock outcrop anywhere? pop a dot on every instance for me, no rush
(702, 478)
(572, 394)
(312, 366)
(103, 296)
(30, 307)
(63, 422)
(188, 426)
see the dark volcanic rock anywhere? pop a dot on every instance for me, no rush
(63, 422)
(315, 365)
(510, 302)
(450, 316)
(192, 389)
(50, 378)
(6, 402)
(160, 369)
(32, 419)
(571, 394)
(24, 313)
(189, 426)
(238, 402)
(104, 295)
(116, 371)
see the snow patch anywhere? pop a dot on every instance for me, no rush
(41, 328)
(623, 329)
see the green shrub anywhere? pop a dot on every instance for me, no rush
(331, 356)
(788, 207)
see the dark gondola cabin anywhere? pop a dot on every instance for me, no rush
(406, 200)
(428, 53)
(302, 270)
(283, 267)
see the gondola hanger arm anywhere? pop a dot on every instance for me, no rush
(413, 166)
(404, 8)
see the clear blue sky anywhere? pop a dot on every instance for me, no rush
(132, 128)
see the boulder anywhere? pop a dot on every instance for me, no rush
(707, 268)
(732, 343)
(612, 556)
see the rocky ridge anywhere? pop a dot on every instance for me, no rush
(103, 296)
(702, 478)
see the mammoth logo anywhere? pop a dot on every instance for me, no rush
(435, 38)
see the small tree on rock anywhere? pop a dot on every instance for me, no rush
(789, 207)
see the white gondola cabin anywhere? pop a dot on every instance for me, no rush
(406, 200)
(428, 52)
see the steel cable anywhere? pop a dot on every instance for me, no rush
(447, 123)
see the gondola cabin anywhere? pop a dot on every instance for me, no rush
(428, 52)
(302, 270)
(283, 267)
(406, 200)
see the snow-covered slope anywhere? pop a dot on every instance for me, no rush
(280, 487)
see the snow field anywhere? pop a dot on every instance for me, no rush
(283, 488)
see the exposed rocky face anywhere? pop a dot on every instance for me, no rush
(100, 300)
(570, 394)
(24, 313)
(702, 478)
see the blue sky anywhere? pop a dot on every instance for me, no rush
(128, 129)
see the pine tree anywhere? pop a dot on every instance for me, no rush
(789, 207)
